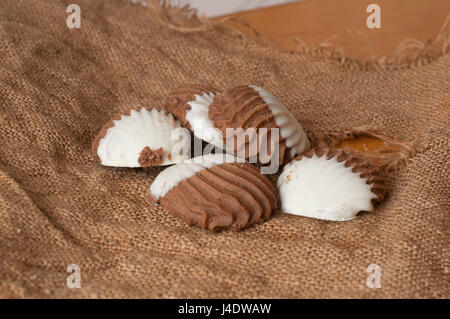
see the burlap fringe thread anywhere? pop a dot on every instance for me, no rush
(396, 155)
(409, 53)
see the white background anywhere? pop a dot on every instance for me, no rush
(219, 7)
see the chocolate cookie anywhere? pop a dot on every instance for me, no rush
(190, 104)
(140, 139)
(215, 192)
(329, 184)
(252, 107)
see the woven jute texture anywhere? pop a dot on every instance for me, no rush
(59, 207)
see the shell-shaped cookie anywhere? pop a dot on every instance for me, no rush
(253, 107)
(142, 138)
(215, 193)
(190, 104)
(329, 184)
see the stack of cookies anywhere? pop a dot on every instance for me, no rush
(252, 134)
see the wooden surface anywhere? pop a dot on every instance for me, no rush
(345, 21)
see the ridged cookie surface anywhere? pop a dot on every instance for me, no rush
(141, 138)
(329, 184)
(215, 195)
(250, 106)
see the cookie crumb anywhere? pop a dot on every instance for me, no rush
(149, 157)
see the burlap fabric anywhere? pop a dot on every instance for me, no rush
(58, 206)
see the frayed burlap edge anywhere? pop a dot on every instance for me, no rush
(410, 52)
(396, 156)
